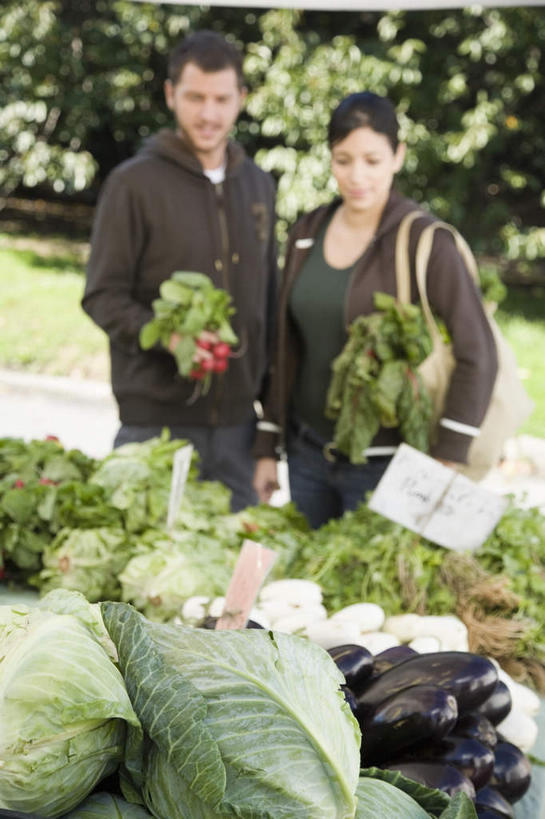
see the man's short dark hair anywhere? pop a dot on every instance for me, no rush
(209, 51)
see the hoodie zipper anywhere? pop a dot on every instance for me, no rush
(224, 234)
(222, 265)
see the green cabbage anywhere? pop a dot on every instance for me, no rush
(107, 806)
(86, 560)
(159, 580)
(63, 705)
(247, 723)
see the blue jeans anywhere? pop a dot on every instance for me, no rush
(225, 454)
(322, 490)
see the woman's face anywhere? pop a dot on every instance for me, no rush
(364, 164)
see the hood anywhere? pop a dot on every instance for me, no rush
(167, 145)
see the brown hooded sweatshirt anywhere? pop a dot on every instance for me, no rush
(453, 297)
(159, 213)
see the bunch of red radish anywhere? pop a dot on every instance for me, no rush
(211, 355)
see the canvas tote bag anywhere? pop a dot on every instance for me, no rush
(509, 404)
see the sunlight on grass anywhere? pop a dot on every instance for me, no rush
(42, 326)
(522, 320)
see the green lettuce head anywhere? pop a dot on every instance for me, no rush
(63, 705)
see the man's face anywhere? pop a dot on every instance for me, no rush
(206, 106)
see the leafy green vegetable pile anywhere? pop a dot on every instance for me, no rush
(192, 308)
(375, 380)
(105, 536)
(42, 488)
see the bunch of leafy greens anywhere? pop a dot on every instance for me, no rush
(235, 725)
(32, 474)
(64, 708)
(137, 479)
(167, 569)
(24, 528)
(375, 381)
(34, 460)
(188, 305)
(516, 550)
(364, 556)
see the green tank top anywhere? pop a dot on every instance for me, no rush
(316, 306)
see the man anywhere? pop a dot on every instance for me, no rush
(189, 200)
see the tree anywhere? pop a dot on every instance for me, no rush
(82, 87)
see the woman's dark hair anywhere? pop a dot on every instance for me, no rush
(209, 51)
(364, 110)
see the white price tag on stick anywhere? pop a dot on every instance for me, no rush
(180, 471)
(437, 502)
(253, 564)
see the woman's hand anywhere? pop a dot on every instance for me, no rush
(265, 479)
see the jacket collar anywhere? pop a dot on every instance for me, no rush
(309, 225)
(168, 145)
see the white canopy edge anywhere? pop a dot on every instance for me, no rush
(350, 5)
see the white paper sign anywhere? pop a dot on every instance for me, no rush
(437, 502)
(180, 470)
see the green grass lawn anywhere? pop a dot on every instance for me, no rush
(521, 318)
(43, 328)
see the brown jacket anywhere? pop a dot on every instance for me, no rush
(159, 213)
(452, 295)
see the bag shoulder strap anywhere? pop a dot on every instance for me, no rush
(402, 262)
(423, 252)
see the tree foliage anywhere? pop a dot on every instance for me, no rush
(82, 87)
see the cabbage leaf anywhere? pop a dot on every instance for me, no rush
(63, 709)
(107, 806)
(244, 723)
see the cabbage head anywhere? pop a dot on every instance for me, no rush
(64, 707)
(249, 724)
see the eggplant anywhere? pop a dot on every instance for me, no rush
(512, 771)
(386, 659)
(469, 677)
(497, 705)
(355, 662)
(413, 714)
(489, 798)
(488, 813)
(350, 697)
(435, 775)
(469, 756)
(476, 726)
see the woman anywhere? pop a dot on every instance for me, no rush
(337, 257)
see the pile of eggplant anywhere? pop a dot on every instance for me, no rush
(433, 718)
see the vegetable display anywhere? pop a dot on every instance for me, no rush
(195, 311)
(375, 380)
(371, 593)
